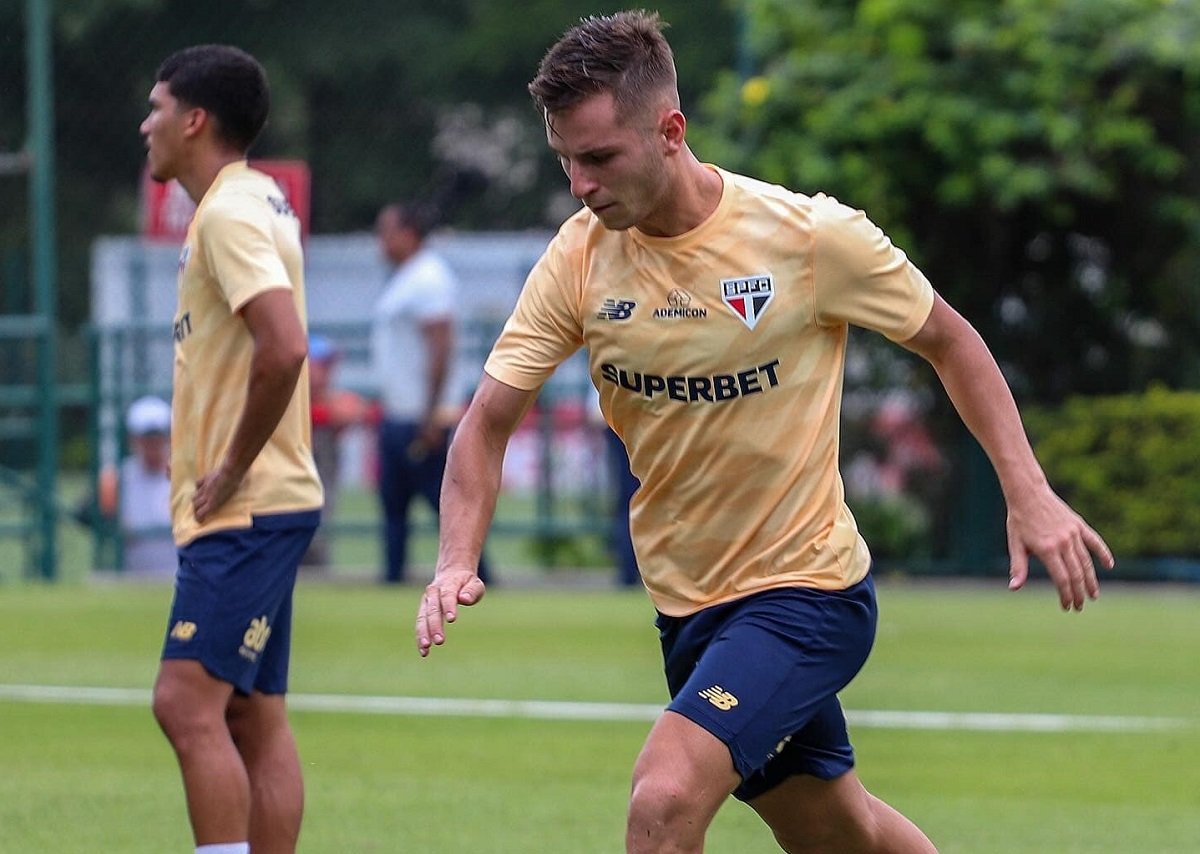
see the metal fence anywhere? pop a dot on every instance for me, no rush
(556, 462)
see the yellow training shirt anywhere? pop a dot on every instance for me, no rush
(718, 355)
(243, 240)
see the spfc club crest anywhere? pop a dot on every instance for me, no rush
(748, 297)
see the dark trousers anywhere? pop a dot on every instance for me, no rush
(625, 484)
(403, 475)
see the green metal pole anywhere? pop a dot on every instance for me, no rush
(40, 148)
(99, 523)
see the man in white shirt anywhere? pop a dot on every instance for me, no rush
(412, 349)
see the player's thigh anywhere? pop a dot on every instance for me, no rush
(256, 718)
(807, 813)
(681, 762)
(258, 710)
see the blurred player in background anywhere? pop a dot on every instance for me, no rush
(138, 493)
(245, 495)
(715, 311)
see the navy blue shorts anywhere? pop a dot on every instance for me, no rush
(762, 674)
(233, 601)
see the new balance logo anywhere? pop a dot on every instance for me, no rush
(616, 309)
(280, 206)
(719, 697)
(183, 630)
(256, 636)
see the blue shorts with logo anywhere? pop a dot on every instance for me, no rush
(233, 601)
(762, 674)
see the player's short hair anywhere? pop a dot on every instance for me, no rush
(227, 82)
(625, 54)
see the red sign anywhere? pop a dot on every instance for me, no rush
(167, 209)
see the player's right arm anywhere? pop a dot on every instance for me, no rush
(469, 490)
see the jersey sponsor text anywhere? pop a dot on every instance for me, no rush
(716, 388)
(255, 638)
(183, 327)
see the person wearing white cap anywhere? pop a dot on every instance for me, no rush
(141, 499)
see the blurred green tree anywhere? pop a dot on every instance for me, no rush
(383, 99)
(1037, 159)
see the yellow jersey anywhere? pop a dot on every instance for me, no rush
(718, 355)
(244, 239)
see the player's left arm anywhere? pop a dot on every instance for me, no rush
(1039, 522)
(280, 347)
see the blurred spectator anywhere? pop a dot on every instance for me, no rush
(333, 410)
(412, 347)
(137, 493)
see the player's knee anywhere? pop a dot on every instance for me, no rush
(166, 705)
(177, 713)
(170, 709)
(660, 803)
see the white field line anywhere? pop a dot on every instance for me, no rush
(561, 710)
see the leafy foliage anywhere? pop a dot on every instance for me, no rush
(384, 100)
(1035, 157)
(1131, 465)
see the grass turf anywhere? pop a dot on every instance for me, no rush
(76, 778)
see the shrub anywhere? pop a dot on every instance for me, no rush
(1130, 464)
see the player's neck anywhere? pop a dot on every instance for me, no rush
(203, 171)
(693, 194)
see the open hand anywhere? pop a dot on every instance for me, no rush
(1044, 526)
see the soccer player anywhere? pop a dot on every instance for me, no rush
(245, 495)
(715, 310)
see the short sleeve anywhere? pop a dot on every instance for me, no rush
(241, 252)
(545, 327)
(860, 277)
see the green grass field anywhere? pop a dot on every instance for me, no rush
(85, 777)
